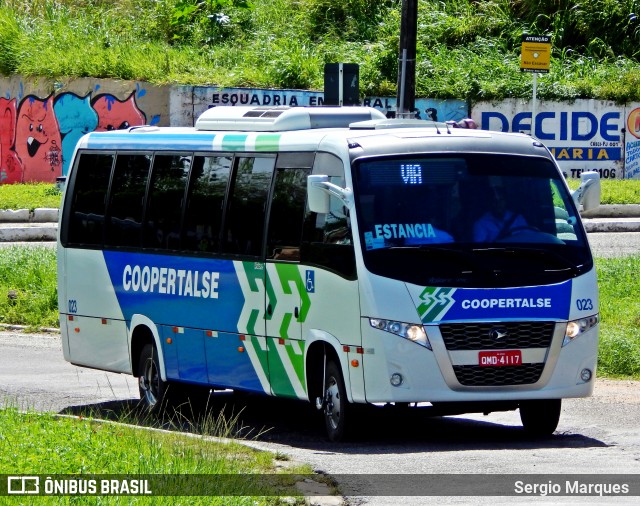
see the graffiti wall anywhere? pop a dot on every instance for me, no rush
(40, 124)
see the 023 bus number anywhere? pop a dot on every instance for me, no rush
(584, 304)
(73, 306)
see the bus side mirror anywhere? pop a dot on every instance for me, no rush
(318, 197)
(61, 182)
(588, 193)
(319, 190)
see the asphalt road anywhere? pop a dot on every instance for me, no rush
(614, 244)
(598, 435)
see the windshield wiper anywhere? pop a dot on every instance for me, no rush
(562, 264)
(464, 258)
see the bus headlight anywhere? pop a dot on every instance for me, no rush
(578, 327)
(409, 331)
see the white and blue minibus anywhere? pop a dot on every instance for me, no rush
(331, 255)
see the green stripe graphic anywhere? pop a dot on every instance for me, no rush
(267, 142)
(234, 142)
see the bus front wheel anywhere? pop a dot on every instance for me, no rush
(336, 405)
(540, 417)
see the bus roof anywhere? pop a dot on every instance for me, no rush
(279, 119)
(272, 129)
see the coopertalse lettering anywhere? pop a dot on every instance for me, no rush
(506, 303)
(169, 281)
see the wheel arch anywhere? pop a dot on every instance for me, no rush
(143, 331)
(316, 351)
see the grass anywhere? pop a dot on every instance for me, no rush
(37, 195)
(465, 49)
(624, 191)
(619, 354)
(28, 292)
(29, 196)
(45, 444)
(615, 191)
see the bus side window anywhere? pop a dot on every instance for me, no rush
(85, 220)
(124, 222)
(164, 205)
(244, 220)
(205, 203)
(286, 214)
(327, 238)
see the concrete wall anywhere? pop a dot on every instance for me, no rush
(41, 121)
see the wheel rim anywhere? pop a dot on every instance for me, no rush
(332, 396)
(149, 383)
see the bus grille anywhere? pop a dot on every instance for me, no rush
(482, 336)
(476, 376)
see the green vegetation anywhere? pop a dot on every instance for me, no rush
(619, 354)
(466, 49)
(615, 191)
(43, 444)
(28, 292)
(36, 195)
(29, 196)
(624, 191)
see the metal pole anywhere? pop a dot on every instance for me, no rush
(403, 75)
(340, 84)
(407, 59)
(534, 104)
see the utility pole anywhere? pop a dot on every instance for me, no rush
(406, 99)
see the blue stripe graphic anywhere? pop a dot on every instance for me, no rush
(150, 140)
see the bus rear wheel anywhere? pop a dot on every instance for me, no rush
(153, 390)
(336, 406)
(540, 417)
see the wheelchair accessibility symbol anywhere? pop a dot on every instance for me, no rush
(310, 281)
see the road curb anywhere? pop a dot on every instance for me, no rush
(613, 211)
(39, 215)
(28, 232)
(41, 225)
(629, 225)
(50, 215)
(7, 327)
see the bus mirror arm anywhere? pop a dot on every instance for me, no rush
(319, 189)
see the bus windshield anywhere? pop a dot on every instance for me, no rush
(468, 220)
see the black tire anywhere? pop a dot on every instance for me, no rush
(158, 396)
(153, 390)
(337, 409)
(540, 417)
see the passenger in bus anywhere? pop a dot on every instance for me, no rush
(498, 222)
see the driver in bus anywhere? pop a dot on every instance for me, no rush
(498, 222)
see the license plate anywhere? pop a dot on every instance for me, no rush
(499, 358)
